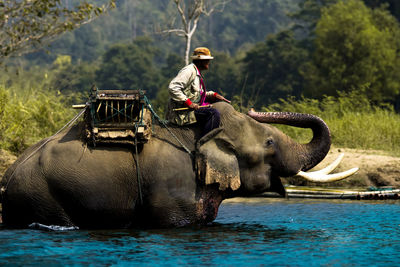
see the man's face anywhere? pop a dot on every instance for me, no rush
(205, 64)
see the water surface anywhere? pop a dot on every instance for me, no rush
(258, 231)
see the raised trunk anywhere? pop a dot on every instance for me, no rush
(309, 154)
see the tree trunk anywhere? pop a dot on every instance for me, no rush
(187, 49)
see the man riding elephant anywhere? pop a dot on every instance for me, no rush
(189, 100)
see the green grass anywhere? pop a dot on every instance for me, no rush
(30, 111)
(354, 122)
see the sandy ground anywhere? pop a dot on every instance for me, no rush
(376, 168)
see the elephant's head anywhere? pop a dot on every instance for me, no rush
(248, 155)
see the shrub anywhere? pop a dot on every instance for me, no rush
(30, 117)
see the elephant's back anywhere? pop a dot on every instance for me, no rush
(177, 136)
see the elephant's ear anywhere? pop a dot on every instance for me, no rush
(217, 163)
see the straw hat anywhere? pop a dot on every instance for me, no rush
(201, 53)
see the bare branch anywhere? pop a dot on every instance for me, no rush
(217, 7)
(196, 10)
(178, 32)
(190, 14)
(181, 12)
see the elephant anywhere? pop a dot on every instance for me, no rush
(174, 180)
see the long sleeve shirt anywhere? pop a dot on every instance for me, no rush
(187, 86)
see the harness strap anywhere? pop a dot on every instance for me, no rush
(138, 168)
(163, 123)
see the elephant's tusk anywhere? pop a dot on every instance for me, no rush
(330, 167)
(323, 176)
(327, 177)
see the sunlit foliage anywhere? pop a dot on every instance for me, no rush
(355, 47)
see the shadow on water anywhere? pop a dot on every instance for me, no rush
(209, 244)
(215, 232)
(189, 245)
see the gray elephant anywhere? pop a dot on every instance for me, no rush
(66, 182)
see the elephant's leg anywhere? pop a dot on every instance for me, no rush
(277, 186)
(29, 200)
(22, 214)
(165, 209)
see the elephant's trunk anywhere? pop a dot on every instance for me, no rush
(309, 154)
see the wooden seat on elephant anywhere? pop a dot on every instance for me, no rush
(118, 116)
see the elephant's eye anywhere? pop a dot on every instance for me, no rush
(269, 142)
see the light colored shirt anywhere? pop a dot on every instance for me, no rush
(186, 85)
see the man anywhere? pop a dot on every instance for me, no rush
(189, 100)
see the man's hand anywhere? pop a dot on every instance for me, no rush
(220, 97)
(194, 106)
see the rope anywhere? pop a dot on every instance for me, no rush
(73, 120)
(164, 123)
(138, 168)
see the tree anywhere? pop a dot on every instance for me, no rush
(356, 48)
(272, 68)
(190, 12)
(173, 64)
(74, 78)
(27, 24)
(130, 66)
(223, 76)
(238, 27)
(393, 6)
(309, 14)
(244, 23)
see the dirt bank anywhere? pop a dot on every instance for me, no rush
(376, 168)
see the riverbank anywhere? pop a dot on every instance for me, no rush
(377, 169)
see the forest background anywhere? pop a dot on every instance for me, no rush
(337, 59)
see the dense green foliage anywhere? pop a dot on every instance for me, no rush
(271, 69)
(240, 24)
(393, 5)
(355, 47)
(130, 66)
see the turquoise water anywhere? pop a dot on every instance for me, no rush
(255, 232)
